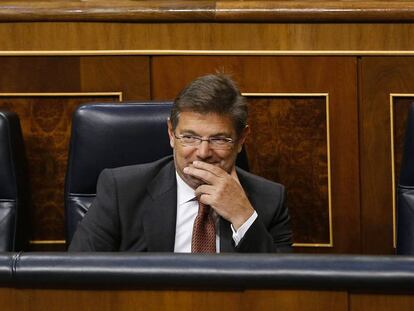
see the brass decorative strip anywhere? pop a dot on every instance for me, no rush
(321, 245)
(65, 94)
(46, 242)
(208, 52)
(326, 95)
(394, 199)
(394, 227)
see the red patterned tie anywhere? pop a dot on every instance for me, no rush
(204, 231)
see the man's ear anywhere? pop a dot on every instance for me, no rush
(170, 133)
(242, 138)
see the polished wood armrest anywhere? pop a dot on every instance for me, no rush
(208, 11)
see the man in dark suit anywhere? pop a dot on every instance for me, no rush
(197, 200)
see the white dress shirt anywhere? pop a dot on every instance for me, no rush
(187, 210)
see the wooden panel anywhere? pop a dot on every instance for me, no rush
(307, 300)
(46, 124)
(379, 78)
(146, 300)
(49, 36)
(381, 302)
(39, 74)
(46, 120)
(127, 74)
(9, 299)
(292, 75)
(289, 139)
(292, 300)
(67, 299)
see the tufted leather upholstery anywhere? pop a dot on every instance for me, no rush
(13, 183)
(405, 193)
(112, 135)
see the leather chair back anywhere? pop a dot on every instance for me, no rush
(112, 135)
(405, 193)
(13, 183)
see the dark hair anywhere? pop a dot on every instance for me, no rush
(212, 94)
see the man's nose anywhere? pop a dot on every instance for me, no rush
(204, 150)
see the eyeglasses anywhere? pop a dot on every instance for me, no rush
(214, 142)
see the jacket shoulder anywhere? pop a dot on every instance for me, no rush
(146, 171)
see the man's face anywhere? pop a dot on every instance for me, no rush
(205, 126)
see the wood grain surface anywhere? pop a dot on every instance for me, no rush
(167, 299)
(46, 120)
(288, 144)
(381, 302)
(233, 36)
(46, 125)
(208, 11)
(380, 76)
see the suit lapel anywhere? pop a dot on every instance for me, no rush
(161, 211)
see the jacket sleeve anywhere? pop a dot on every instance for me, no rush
(99, 229)
(275, 237)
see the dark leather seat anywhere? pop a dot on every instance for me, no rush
(13, 183)
(405, 193)
(112, 135)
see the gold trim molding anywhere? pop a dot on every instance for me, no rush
(65, 94)
(208, 52)
(326, 95)
(47, 242)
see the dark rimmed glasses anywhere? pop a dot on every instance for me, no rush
(220, 143)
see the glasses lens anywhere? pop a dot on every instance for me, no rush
(190, 140)
(220, 143)
(214, 142)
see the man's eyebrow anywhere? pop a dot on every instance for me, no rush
(221, 134)
(189, 132)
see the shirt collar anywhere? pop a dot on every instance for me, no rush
(184, 192)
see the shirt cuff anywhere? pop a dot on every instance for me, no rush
(239, 234)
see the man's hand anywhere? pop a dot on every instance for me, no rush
(222, 191)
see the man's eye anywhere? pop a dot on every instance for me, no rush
(219, 140)
(189, 138)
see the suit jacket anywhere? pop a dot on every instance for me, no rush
(135, 210)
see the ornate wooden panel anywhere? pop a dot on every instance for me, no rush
(335, 76)
(46, 125)
(46, 119)
(289, 144)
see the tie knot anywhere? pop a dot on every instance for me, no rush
(203, 208)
